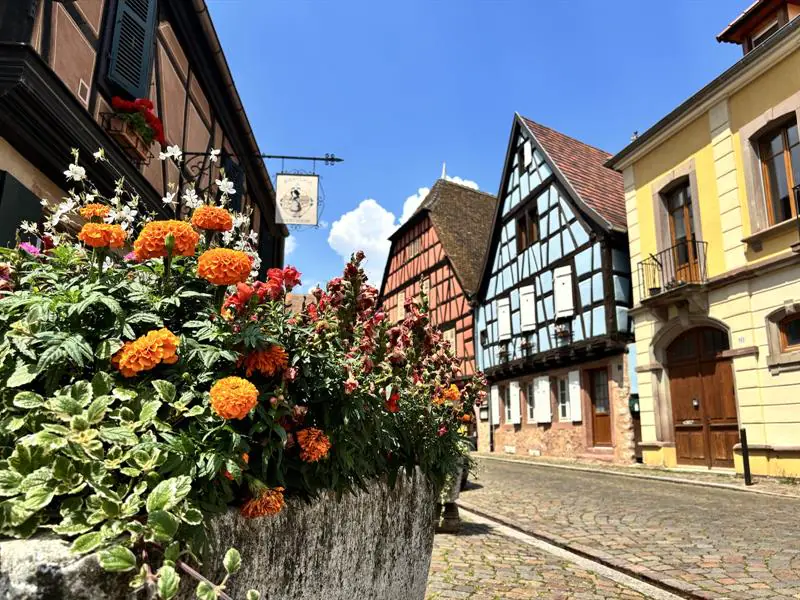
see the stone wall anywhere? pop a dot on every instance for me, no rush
(373, 544)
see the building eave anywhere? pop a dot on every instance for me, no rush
(752, 65)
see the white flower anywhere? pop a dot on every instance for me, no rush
(53, 221)
(225, 186)
(172, 152)
(240, 220)
(90, 197)
(28, 227)
(214, 156)
(253, 237)
(227, 237)
(191, 198)
(169, 199)
(75, 172)
(44, 202)
(100, 154)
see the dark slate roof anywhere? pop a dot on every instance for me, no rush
(462, 217)
(597, 186)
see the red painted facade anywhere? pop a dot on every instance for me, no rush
(418, 256)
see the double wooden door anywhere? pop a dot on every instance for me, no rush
(703, 399)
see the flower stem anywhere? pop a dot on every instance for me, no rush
(167, 272)
(219, 297)
(192, 573)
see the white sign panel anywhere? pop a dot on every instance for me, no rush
(297, 199)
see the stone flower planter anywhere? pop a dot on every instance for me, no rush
(369, 545)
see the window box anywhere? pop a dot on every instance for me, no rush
(128, 139)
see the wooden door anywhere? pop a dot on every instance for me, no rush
(703, 400)
(601, 407)
(685, 266)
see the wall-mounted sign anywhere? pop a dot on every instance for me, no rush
(298, 199)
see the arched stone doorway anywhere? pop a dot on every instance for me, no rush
(703, 400)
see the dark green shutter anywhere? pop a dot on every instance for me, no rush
(17, 204)
(266, 251)
(132, 46)
(235, 173)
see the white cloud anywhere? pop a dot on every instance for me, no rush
(368, 227)
(289, 245)
(465, 182)
(412, 202)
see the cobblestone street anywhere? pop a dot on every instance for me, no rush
(709, 542)
(479, 563)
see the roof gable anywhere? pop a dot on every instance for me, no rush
(583, 167)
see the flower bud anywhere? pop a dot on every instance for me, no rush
(169, 242)
(273, 402)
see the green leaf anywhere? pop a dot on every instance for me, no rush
(205, 591)
(149, 411)
(195, 411)
(169, 493)
(87, 542)
(193, 516)
(232, 561)
(173, 551)
(168, 582)
(97, 409)
(107, 348)
(117, 559)
(253, 595)
(102, 383)
(9, 482)
(164, 525)
(65, 407)
(23, 373)
(119, 435)
(27, 400)
(165, 389)
(36, 498)
(81, 392)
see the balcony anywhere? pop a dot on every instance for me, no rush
(681, 266)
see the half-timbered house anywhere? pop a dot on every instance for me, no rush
(552, 322)
(440, 250)
(61, 63)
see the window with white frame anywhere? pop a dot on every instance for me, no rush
(562, 398)
(531, 402)
(507, 402)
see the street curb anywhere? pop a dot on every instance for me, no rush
(585, 552)
(678, 480)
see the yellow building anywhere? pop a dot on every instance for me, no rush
(712, 199)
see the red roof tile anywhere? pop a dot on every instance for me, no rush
(597, 186)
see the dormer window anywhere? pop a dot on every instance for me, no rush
(763, 33)
(760, 21)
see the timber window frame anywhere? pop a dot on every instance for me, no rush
(561, 393)
(527, 224)
(784, 351)
(530, 402)
(778, 145)
(750, 135)
(507, 403)
(682, 176)
(790, 333)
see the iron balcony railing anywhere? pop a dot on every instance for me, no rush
(682, 264)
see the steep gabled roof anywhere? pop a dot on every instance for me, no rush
(583, 166)
(462, 217)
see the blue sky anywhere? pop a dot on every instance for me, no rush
(398, 88)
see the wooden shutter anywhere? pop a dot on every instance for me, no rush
(235, 173)
(503, 319)
(494, 400)
(17, 204)
(132, 45)
(575, 395)
(527, 307)
(542, 393)
(515, 402)
(563, 291)
(401, 311)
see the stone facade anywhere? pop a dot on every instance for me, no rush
(565, 438)
(373, 544)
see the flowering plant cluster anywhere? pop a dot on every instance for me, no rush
(139, 113)
(144, 391)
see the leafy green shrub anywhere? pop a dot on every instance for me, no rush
(143, 393)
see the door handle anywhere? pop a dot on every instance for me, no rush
(695, 403)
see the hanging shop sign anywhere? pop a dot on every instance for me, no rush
(298, 199)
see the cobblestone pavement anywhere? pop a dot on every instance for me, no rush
(479, 563)
(714, 543)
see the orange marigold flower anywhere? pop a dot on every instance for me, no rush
(102, 235)
(223, 266)
(453, 394)
(314, 444)
(212, 218)
(95, 210)
(151, 241)
(146, 352)
(268, 502)
(466, 417)
(268, 362)
(233, 397)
